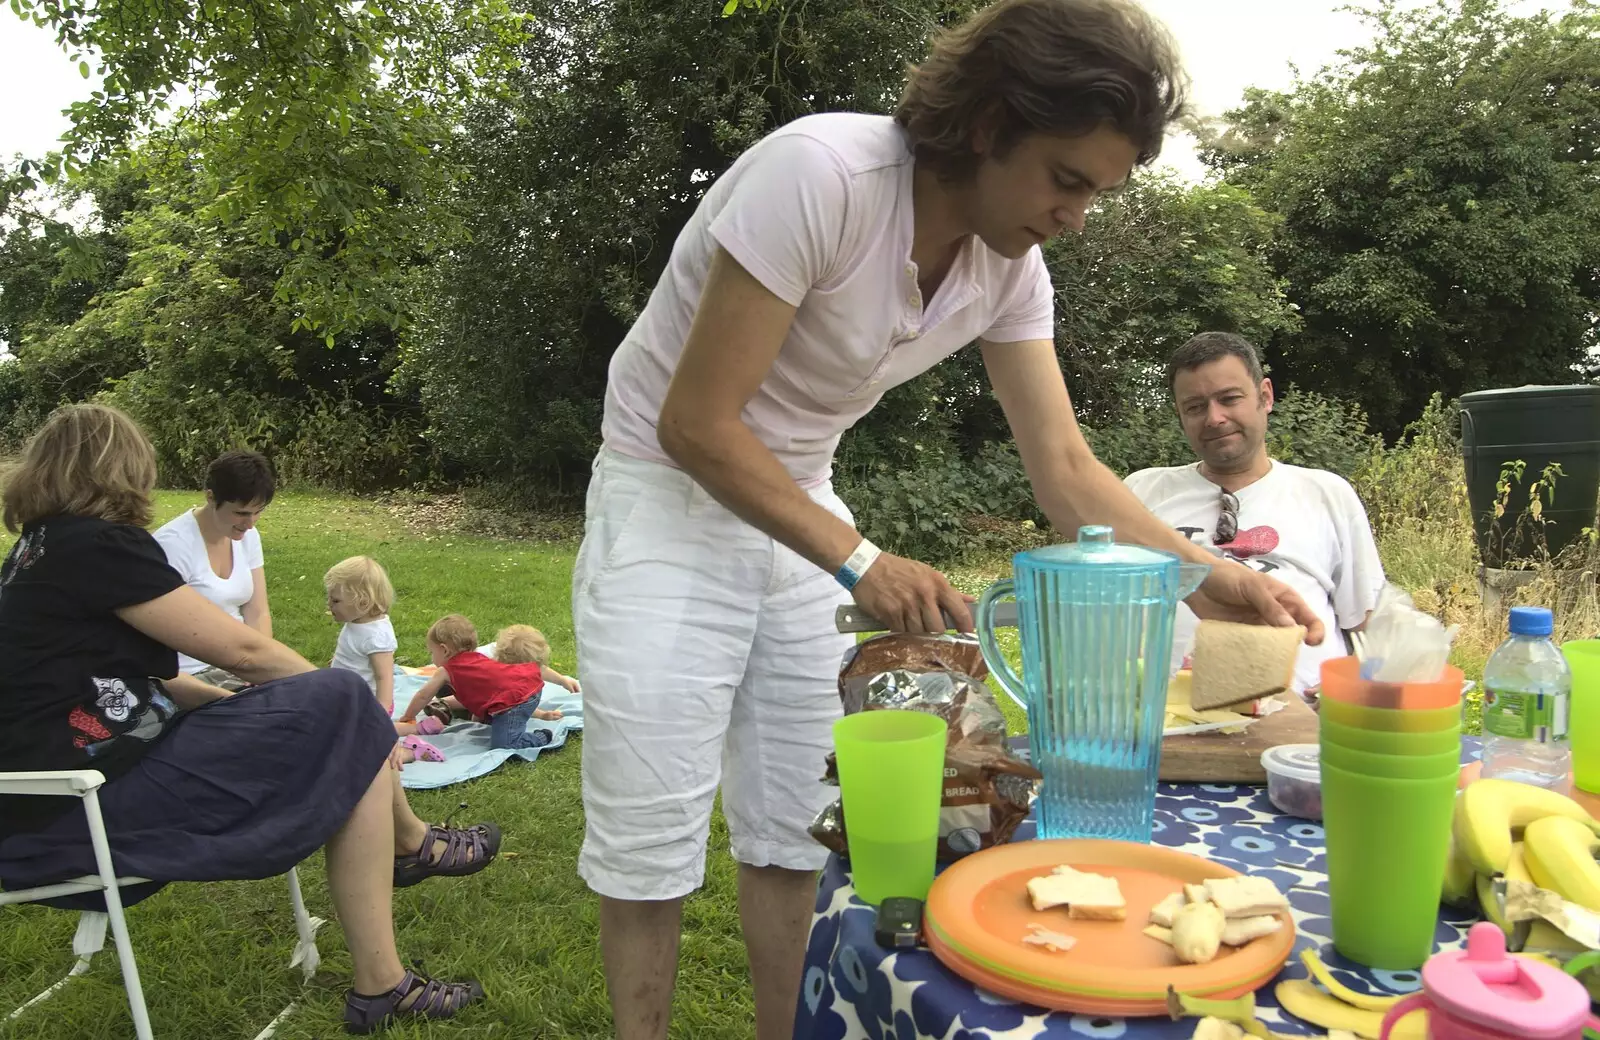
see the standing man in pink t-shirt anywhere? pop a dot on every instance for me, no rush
(838, 257)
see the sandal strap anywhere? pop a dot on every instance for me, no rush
(462, 845)
(436, 999)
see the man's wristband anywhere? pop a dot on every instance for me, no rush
(855, 567)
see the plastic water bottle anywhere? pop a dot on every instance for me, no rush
(1527, 688)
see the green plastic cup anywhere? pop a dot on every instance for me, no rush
(1387, 843)
(1383, 742)
(1399, 767)
(891, 781)
(1390, 720)
(1583, 724)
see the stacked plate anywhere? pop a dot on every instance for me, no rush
(978, 914)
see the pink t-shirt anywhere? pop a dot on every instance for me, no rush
(820, 213)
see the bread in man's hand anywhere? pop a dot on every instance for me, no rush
(1235, 663)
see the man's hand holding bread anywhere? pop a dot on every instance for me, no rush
(1234, 592)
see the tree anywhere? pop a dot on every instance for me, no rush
(1155, 264)
(321, 124)
(623, 114)
(1440, 197)
(179, 320)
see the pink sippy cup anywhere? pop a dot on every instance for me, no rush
(1482, 993)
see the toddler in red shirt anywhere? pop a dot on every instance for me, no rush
(503, 690)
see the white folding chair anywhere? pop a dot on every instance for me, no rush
(90, 938)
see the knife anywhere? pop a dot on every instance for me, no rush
(851, 618)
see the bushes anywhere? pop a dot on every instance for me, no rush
(321, 440)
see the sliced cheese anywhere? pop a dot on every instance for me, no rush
(1178, 688)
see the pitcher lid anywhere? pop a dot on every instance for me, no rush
(1097, 546)
(1513, 995)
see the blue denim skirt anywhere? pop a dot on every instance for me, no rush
(242, 788)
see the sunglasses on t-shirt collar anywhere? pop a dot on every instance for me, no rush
(1227, 520)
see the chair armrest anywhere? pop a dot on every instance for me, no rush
(67, 782)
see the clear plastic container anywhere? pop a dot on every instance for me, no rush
(1527, 687)
(1294, 779)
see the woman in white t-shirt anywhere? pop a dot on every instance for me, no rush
(216, 548)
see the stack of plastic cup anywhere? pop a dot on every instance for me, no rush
(1390, 760)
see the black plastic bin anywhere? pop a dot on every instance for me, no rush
(1538, 425)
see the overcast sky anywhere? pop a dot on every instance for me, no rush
(1227, 44)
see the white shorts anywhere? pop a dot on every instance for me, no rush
(708, 654)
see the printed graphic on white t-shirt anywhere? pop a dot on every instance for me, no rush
(1305, 527)
(185, 548)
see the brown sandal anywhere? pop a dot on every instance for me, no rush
(467, 850)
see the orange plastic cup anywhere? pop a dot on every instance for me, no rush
(1341, 680)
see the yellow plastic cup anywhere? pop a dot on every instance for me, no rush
(1583, 721)
(1383, 742)
(891, 781)
(1391, 720)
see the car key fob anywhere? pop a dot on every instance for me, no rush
(899, 924)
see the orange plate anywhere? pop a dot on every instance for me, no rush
(978, 911)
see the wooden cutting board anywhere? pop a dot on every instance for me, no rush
(1235, 758)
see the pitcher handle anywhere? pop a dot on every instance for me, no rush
(989, 643)
(1401, 1010)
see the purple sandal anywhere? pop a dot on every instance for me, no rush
(467, 850)
(415, 995)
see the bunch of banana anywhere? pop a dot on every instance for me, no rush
(1556, 852)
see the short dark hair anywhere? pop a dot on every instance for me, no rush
(241, 476)
(1042, 66)
(1214, 346)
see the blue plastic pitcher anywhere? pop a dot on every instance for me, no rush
(1095, 619)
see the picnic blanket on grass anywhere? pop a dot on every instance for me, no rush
(466, 744)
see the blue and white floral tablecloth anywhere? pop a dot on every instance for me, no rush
(854, 989)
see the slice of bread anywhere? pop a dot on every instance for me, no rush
(1235, 664)
(1089, 896)
(1246, 896)
(1247, 929)
(1163, 912)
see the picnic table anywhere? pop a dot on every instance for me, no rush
(854, 989)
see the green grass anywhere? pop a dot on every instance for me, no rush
(214, 958)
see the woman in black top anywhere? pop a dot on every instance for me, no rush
(200, 785)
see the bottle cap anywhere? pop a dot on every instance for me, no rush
(1531, 621)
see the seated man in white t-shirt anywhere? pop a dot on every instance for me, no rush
(1305, 527)
(216, 548)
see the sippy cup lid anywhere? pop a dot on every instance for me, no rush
(1484, 985)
